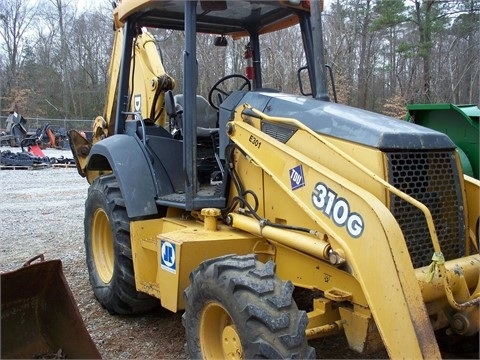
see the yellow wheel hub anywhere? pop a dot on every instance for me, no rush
(219, 338)
(102, 246)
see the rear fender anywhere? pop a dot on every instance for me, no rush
(127, 159)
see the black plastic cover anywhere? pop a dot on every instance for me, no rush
(341, 121)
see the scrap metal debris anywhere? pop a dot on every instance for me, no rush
(16, 134)
(25, 160)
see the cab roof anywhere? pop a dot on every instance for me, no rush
(228, 17)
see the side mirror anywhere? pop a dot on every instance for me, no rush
(303, 76)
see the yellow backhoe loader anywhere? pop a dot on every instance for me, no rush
(222, 207)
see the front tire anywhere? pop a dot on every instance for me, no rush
(236, 307)
(108, 250)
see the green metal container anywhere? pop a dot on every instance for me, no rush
(459, 122)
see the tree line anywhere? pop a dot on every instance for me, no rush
(384, 55)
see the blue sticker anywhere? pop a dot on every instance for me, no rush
(168, 258)
(296, 177)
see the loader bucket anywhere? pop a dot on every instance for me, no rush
(39, 316)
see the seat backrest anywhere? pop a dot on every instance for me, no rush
(206, 115)
(170, 104)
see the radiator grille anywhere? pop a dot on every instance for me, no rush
(431, 178)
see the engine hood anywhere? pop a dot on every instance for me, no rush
(344, 122)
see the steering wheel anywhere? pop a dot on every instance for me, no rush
(219, 92)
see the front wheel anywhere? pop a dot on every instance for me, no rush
(237, 308)
(108, 250)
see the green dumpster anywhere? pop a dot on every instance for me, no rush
(459, 122)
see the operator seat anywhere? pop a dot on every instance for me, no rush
(207, 117)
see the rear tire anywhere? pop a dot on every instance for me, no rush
(108, 250)
(236, 307)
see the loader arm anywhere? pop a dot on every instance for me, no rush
(357, 224)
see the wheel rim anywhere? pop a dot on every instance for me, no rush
(219, 338)
(102, 246)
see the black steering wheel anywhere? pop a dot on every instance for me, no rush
(220, 92)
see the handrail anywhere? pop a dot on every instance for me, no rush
(137, 116)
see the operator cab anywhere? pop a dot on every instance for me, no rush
(196, 122)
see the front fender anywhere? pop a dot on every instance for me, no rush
(125, 157)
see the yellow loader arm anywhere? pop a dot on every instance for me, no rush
(360, 229)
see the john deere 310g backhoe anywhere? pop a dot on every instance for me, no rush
(223, 208)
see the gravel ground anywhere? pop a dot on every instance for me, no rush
(41, 212)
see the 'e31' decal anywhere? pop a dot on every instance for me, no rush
(337, 208)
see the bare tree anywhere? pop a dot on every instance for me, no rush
(56, 56)
(89, 56)
(16, 17)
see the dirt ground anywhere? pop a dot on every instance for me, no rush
(41, 211)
